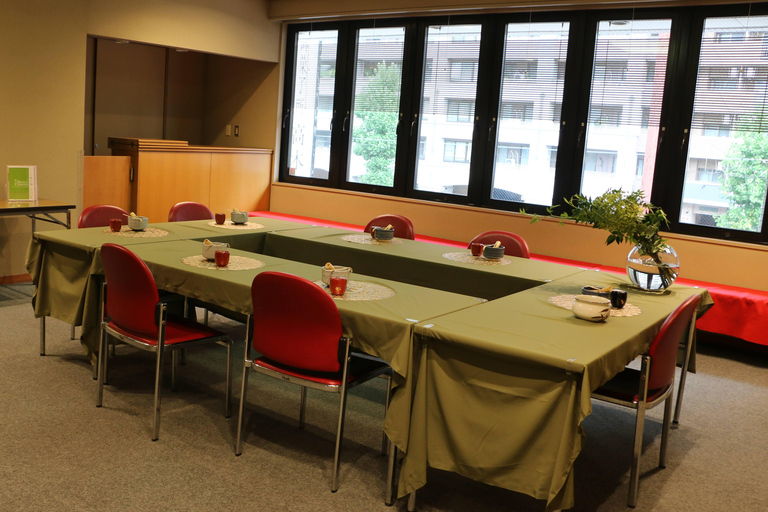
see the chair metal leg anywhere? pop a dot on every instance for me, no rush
(72, 333)
(42, 335)
(389, 491)
(228, 391)
(342, 411)
(112, 350)
(634, 476)
(385, 443)
(243, 390)
(684, 371)
(205, 316)
(665, 431)
(303, 406)
(101, 365)
(158, 388)
(339, 435)
(174, 367)
(412, 502)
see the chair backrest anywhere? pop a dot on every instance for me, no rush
(514, 245)
(403, 225)
(189, 210)
(663, 351)
(132, 295)
(99, 215)
(296, 323)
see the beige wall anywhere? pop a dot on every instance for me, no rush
(185, 94)
(42, 62)
(701, 259)
(130, 87)
(237, 28)
(43, 66)
(244, 93)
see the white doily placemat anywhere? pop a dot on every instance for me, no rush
(128, 232)
(464, 257)
(228, 224)
(369, 240)
(566, 301)
(235, 263)
(359, 290)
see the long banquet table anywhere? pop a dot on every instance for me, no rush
(419, 263)
(495, 391)
(66, 265)
(501, 390)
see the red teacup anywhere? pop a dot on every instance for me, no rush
(477, 249)
(115, 224)
(220, 218)
(338, 285)
(222, 258)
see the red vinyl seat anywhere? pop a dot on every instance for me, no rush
(138, 318)
(653, 384)
(403, 225)
(297, 330)
(514, 244)
(189, 210)
(99, 215)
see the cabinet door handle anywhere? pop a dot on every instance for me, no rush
(130, 174)
(285, 118)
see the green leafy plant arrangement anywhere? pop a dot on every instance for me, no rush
(625, 215)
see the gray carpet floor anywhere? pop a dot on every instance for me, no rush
(58, 452)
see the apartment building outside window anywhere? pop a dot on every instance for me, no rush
(473, 110)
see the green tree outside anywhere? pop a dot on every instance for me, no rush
(375, 139)
(745, 178)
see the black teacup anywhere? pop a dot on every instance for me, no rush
(618, 298)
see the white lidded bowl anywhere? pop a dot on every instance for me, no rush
(592, 307)
(239, 217)
(209, 250)
(138, 223)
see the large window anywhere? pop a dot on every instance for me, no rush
(448, 108)
(727, 164)
(376, 105)
(311, 110)
(522, 163)
(626, 93)
(512, 111)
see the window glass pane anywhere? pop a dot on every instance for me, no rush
(448, 108)
(312, 109)
(376, 106)
(725, 175)
(630, 65)
(529, 112)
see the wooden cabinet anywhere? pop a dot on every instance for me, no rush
(165, 172)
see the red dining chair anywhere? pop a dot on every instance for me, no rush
(403, 225)
(651, 385)
(297, 330)
(514, 244)
(99, 215)
(138, 318)
(189, 210)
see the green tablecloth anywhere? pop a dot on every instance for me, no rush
(501, 390)
(65, 265)
(413, 262)
(379, 327)
(496, 392)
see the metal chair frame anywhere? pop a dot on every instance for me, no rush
(159, 348)
(341, 389)
(642, 404)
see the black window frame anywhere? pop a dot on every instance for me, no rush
(576, 74)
